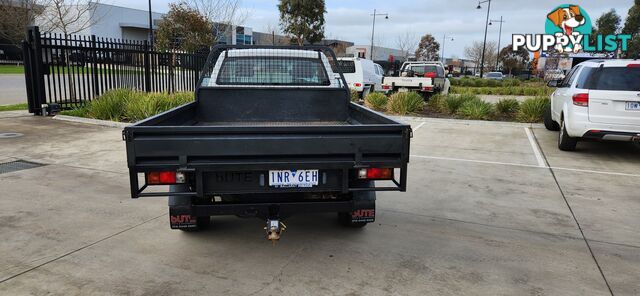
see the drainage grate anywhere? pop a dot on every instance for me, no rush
(17, 165)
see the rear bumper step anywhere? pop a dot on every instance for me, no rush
(612, 136)
(265, 210)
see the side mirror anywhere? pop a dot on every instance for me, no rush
(553, 83)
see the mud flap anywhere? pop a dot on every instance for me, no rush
(180, 210)
(364, 206)
(181, 218)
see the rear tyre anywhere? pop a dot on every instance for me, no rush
(565, 142)
(548, 120)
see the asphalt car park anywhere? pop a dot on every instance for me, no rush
(491, 209)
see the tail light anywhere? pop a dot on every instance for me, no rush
(430, 75)
(357, 84)
(376, 173)
(581, 100)
(427, 88)
(165, 178)
(386, 86)
(633, 66)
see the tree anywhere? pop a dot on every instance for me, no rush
(16, 16)
(303, 20)
(69, 16)
(474, 53)
(184, 28)
(222, 14)
(608, 23)
(513, 61)
(428, 49)
(632, 27)
(406, 43)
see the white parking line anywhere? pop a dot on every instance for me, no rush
(536, 149)
(419, 126)
(526, 165)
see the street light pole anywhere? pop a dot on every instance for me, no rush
(499, 39)
(373, 30)
(486, 26)
(444, 40)
(150, 25)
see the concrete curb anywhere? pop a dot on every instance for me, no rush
(467, 122)
(92, 121)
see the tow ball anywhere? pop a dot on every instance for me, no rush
(274, 230)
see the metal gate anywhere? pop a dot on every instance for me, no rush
(70, 70)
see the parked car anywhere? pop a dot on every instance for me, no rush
(362, 75)
(598, 99)
(270, 134)
(494, 76)
(427, 78)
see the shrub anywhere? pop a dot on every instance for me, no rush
(405, 102)
(492, 83)
(453, 103)
(507, 106)
(110, 105)
(532, 110)
(129, 105)
(436, 103)
(476, 109)
(511, 82)
(377, 101)
(355, 97)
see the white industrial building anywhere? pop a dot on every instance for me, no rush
(111, 21)
(379, 53)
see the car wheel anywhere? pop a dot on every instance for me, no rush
(548, 120)
(565, 142)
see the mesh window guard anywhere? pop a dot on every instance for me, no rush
(274, 66)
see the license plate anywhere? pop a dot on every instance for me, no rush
(293, 178)
(633, 106)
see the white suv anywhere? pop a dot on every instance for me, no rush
(598, 99)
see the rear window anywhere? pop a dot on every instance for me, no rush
(494, 75)
(610, 78)
(272, 71)
(347, 66)
(420, 70)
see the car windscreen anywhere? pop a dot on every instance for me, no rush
(264, 70)
(494, 75)
(347, 66)
(610, 78)
(420, 70)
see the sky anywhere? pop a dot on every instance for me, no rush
(351, 20)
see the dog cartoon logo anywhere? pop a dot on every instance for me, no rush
(568, 20)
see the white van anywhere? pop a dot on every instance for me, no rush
(362, 75)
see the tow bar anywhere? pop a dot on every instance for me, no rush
(274, 230)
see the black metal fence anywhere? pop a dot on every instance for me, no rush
(70, 70)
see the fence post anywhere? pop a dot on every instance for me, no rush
(147, 67)
(37, 71)
(27, 54)
(94, 66)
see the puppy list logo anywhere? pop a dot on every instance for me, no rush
(568, 29)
